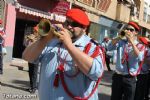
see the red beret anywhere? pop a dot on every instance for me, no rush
(106, 39)
(35, 28)
(1, 21)
(135, 25)
(143, 40)
(78, 16)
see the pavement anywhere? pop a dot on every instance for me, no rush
(15, 81)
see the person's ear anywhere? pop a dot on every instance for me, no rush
(84, 31)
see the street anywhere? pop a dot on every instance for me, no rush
(15, 81)
(57, 31)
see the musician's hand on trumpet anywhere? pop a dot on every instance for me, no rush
(45, 28)
(129, 36)
(64, 36)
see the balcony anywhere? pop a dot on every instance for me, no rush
(101, 5)
(123, 13)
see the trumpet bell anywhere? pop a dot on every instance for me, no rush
(122, 35)
(44, 27)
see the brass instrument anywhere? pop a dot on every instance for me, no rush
(45, 27)
(31, 37)
(122, 34)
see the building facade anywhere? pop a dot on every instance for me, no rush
(23, 15)
(107, 18)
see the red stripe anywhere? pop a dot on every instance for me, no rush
(86, 50)
(125, 58)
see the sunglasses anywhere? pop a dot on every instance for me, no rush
(73, 24)
(130, 29)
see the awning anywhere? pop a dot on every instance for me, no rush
(39, 13)
(10, 1)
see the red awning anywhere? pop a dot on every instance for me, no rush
(42, 14)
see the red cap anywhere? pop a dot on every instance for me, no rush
(143, 40)
(35, 28)
(106, 39)
(78, 16)
(1, 21)
(135, 25)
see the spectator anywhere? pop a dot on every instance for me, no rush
(108, 54)
(142, 77)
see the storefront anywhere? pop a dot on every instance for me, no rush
(145, 32)
(23, 15)
(105, 28)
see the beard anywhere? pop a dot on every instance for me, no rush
(76, 36)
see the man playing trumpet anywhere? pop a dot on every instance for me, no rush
(129, 53)
(70, 66)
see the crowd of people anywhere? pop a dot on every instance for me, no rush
(71, 66)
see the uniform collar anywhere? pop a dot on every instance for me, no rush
(135, 42)
(82, 41)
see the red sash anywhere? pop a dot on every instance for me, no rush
(125, 58)
(61, 73)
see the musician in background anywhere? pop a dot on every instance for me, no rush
(33, 68)
(142, 78)
(108, 54)
(146, 65)
(129, 54)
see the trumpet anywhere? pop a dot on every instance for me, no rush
(122, 34)
(45, 27)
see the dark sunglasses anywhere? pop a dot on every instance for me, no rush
(130, 29)
(73, 24)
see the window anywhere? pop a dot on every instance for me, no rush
(145, 3)
(94, 31)
(145, 9)
(148, 19)
(144, 17)
(145, 14)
